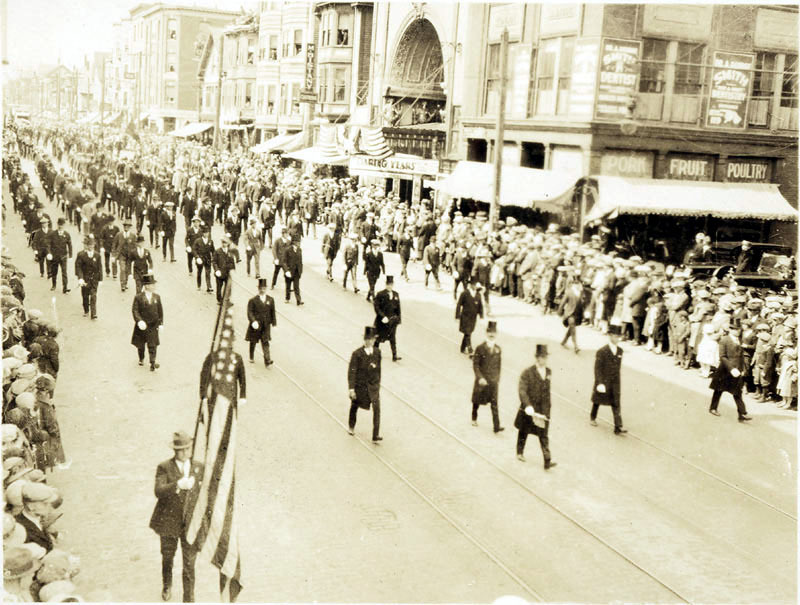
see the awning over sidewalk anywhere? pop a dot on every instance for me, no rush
(190, 129)
(617, 195)
(544, 190)
(318, 155)
(279, 143)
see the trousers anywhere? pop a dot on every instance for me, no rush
(376, 417)
(737, 398)
(169, 546)
(55, 264)
(544, 441)
(264, 349)
(495, 414)
(614, 409)
(89, 296)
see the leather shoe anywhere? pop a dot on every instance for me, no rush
(715, 412)
(593, 422)
(396, 358)
(548, 465)
(166, 594)
(141, 363)
(351, 431)
(745, 418)
(500, 429)
(474, 423)
(620, 431)
(376, 439)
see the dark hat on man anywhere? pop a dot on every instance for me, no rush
(389, 279)
(262, 282)
(148, 279)
(615, 330)
(492, 327)
(139, 238)
(89, 240)
(181, 440)
(541, 351)
(61, 221)
(126, 223)
(369, 332)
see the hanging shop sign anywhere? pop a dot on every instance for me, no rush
(748, 170)
(310, 55)
(619, 71)
(584, 78)
(690, 167)
(730, 86)
(361, 164)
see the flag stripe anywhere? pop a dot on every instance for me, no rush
(223, 545)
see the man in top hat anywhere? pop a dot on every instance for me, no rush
(606, 390)
(223, 262)
(293, 268)
(387, 316)
(148, 317)
(89, 270)
(203, 250)
(373, 266)
(59, 249)
(533, 415)
(177, 485)
(261, 318)
(486, 363)
(468, 308)
(729, 374)
(364, 383)
(40, 242)
(167, 227)
(141, 262)
(193, 232)
(124, 243)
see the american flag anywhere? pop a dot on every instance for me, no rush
(212, 523)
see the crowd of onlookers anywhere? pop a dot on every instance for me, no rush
(666, 309)
(35, 567)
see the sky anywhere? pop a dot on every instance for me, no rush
(42, 31)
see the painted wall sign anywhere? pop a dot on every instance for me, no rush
(690, 167)
(730, 88)
(559, 18)
(508, 16)
(584, 78)
(619, 72)
(363, 163)
(748, 170)
(627, 163)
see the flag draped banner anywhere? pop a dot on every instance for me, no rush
(212, 522)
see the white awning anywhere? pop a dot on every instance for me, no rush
(615, 195)
(277, 142)
(545, 190)
(318, 155)
(190, 129)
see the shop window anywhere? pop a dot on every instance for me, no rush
(564, 74)
(763, 80)
(545, 78)
(654, 60)
(689, 68)
(295, 99)
(343, 29)
(248, 95)
(273, 48)
(789, 87)
(340, 84)
(298, 41)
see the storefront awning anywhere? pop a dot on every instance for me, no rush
(544, 190)
(617, 195)
(318, 155)
(277, 143)
(190, 129)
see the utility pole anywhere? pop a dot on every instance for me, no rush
(217, 133)
(494, 208)
(102, 97)
(450, 82)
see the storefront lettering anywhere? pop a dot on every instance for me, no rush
(748, 171)
(394, 165)
(688, 168)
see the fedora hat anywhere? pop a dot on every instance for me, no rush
(181, 441)
(18, 562)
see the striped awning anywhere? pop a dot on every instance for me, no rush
(374, 144)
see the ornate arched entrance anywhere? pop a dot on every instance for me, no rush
(414, 94)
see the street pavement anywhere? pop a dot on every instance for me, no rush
(685, 507)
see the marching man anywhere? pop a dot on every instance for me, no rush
(148, 315)
(89, 269)
(364, 382)
(261, 318)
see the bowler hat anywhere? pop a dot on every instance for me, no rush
(139, 238)
(181, 440)
(127, 223)
(369, 332)
(61, 221)
(541, 350)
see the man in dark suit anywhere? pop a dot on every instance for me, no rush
(606, 390)
(166, 226)
(148, 317)
(176, 487)
(533, 415)
(431, 258)
(373, 266)
(59, 249)
(387, 316)
(192, 233)
(124, 243)
(729, 375)
(293, 268)
(278, 249)
(37, 499)
(571, 311)
(203, 250)
(364, 383)
(486, 363)
(223, 262)
(468, 308)
(89, 269)
(141, 262)
(261, 318)
(40, 242)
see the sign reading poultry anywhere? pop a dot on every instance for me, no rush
(730, 86)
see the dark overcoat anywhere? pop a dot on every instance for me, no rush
(534, 391)
(486, 364)
(152, 314)
(264, 313)
(387, 304)
(607, 372)
(169, 514)
(468, 308)
(731, 357)
(364, 376)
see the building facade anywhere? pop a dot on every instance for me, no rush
(166, 45)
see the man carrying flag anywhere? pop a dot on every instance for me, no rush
(212, 525)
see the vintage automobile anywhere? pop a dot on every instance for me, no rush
(767, 266)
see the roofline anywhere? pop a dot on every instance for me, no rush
(143, 10)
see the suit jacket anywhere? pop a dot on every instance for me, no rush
(534, 391)
(468, 308)
(192, 234)
(141, 263)
(486, 364)
(293, 260)
(59, 245)
(38, 536)
(571, 305)
(152, 314)
(224, 262)
(264, 313)
(364, 376)
(279, 249)
(203, 250)
(731, 357)
(373, 263)
(88, 269)
(123, 244)
(169, 514)
(607, 372)
(431, 256)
